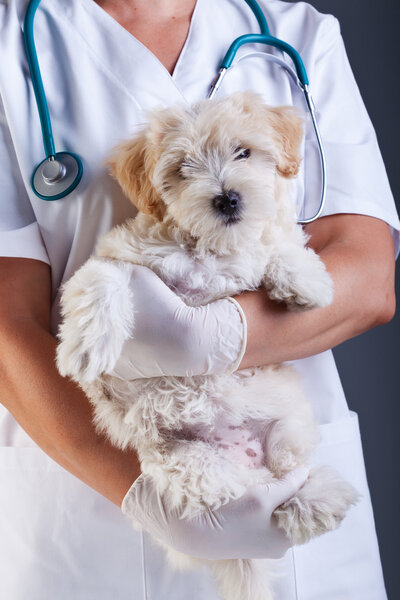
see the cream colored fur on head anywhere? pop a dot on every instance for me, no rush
(186, 157)
(216, 217)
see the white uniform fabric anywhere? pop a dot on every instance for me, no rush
(58, 538)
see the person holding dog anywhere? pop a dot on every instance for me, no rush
(64, 536)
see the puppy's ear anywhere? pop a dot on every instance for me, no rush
(287, 130)
(134, 162)
(132, 165)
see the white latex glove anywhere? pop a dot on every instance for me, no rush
(171, 338)
(243, 528)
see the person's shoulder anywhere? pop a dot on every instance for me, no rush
(299, 15)
(296, 10)
(302, 25)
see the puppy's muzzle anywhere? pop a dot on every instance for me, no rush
(228, 205)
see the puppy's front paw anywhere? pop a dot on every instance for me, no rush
(314, 285)
(305, 285)
(319, 506)
(98, 317)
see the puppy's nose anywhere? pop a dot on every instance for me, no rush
(227, 203)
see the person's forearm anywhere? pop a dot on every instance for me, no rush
(57, 414)
(363, 298)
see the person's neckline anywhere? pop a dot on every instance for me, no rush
(106, 16)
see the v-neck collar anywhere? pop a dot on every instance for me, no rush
(123, 57)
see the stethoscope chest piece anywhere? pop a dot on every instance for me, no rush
(57, 176)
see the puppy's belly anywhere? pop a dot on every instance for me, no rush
(238, 444)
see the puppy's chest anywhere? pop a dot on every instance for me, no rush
(196, 279)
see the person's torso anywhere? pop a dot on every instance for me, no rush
(99, 83)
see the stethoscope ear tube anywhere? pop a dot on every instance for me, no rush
(267, 40)
(311, 109)
(300, 77)
(60, 172)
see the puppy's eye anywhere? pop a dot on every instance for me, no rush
(180, 172)
(242, 153)
(186, 168)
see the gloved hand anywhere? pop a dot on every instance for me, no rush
(171, 338)
(243, 528)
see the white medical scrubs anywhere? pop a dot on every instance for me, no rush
(58, 538)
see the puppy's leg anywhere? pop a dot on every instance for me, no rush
(295, 274)
(288, 443)
(319, 506)
(293, 434)
(98, 317)
(285, 423)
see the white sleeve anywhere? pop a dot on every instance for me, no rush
(19, 232)
(356, 177)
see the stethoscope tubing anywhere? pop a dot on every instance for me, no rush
(37, 82)
(311, 109)
(215, 85)
(259, 15)
(268, 40)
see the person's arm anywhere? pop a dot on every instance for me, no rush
(51, 409)
(57, 415)
(358, 253)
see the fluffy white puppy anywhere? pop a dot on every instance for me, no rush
(216, 217)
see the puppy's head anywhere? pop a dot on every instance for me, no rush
(212, 168)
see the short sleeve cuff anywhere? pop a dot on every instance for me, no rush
(25, 242)
(369, 209)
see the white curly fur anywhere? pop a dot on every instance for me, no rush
(89, 345)
(172, 171)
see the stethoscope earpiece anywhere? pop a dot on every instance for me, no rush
(57, 176)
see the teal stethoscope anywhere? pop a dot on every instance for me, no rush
(60, 172)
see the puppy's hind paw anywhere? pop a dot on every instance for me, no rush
(319, 506)
(98, 317)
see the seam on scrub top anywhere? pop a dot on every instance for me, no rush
(144, 581)
(96, 59)
(186, 44)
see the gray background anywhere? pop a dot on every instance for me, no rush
(369, 364)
